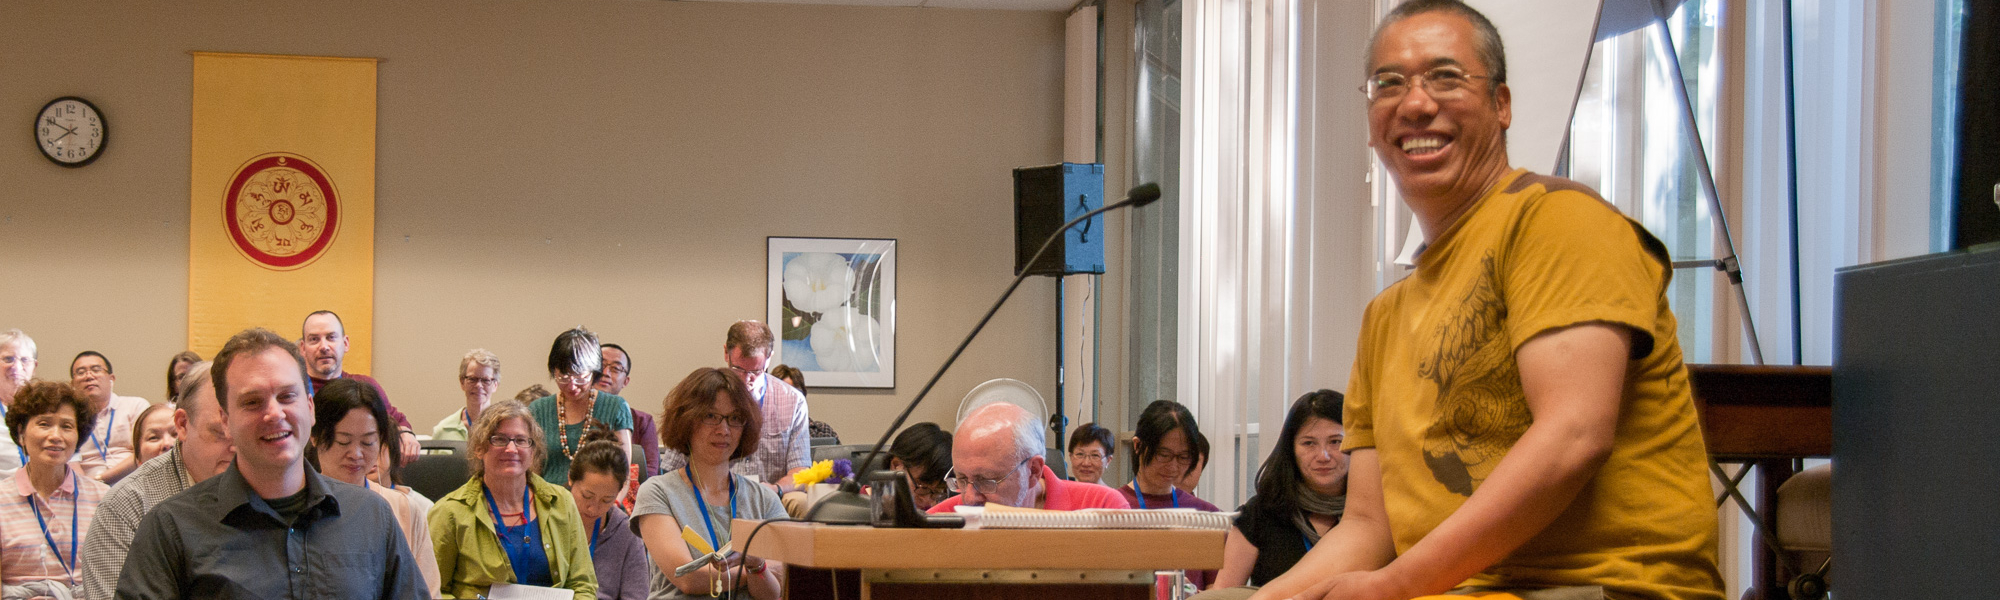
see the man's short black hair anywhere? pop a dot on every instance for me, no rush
(80, 355)
(621, 351)
(1485, 42)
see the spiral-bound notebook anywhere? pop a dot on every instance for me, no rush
(1006, 517)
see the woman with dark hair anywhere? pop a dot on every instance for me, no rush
(349, 419)
(711, 420)
(575, 362)
(1090, 450)
(48, 491)
(1301, 493)
(797, 379)
(506, 524)
(596, 477)
(153, 432)
(923, 451)
(1163, 452)
(177, 366)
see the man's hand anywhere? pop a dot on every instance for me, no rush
(411, 448)
(1357, 585)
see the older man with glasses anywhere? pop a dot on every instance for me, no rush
(996, 458)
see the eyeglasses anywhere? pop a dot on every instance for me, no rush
(1184, 458)
(745, 371)
(501, 442)
(574, 378)
(480, 381)
(615, 370)
(1442, 83)
(1080, 457)
(931, 491)
(957, 483)
(734, 421)
(90, 370)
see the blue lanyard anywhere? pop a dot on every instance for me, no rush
(594, 530)
(1173, 492)
(73, 510)
(499, 523)
(714, 543)
(109, 422)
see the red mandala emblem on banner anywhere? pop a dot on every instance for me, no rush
(282, 211)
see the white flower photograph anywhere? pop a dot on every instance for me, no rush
(833, 303)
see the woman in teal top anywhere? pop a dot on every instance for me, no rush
(507, 525)
(574, 362)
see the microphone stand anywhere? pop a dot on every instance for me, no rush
(848, 506)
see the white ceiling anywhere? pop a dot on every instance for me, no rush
(1044, 5)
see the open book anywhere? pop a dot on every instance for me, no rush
(994, 516)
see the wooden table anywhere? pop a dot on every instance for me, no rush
(1768, 416)
(827, 561)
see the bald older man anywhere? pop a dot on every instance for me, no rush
(996, 458)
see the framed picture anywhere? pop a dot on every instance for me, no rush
(832, 302)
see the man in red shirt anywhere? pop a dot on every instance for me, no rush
(997, 457)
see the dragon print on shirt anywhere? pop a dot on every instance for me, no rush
(1479, 413)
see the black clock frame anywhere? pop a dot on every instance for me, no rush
(104, 125)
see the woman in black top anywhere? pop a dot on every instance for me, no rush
(1301, 492)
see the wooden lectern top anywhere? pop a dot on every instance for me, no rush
(855, 547)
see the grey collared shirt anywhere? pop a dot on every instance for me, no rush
(219, 540)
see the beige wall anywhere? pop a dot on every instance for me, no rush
(616, 164)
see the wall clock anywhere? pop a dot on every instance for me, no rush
(70, 131)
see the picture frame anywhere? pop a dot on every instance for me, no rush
(832, 304)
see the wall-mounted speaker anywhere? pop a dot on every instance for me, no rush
(1044, 199)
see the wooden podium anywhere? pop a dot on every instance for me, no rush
(828, 561)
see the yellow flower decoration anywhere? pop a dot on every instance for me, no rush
(815, 474)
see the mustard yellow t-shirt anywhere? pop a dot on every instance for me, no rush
(1437, 394)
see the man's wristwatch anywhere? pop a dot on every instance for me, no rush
(759, 569)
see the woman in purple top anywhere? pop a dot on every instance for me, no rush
(595, 478)
(1163, 451)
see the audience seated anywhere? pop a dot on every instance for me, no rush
(999, 448)
(153, 432)
(177, 366)
(1163, 452)
(575, 362)
(50, 503)
(219, 538)
(787, 435)
(1301, 493)
(711, 419)
(478, 376)
(17, 366)
(816, 428)
(612, 380)
(1090, 450)
(202, 451)
(105, 452)
(923, 451)
(596, 477)
(507, 524)
(348, 426)
(323, 339)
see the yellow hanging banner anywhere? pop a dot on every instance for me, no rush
(282, 197)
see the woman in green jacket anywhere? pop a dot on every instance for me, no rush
(507, 525)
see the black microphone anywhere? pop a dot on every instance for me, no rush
(847, 506)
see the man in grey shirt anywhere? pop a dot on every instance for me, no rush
(269, 527)
(203, 451)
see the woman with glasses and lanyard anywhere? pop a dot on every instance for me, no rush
(575, 361)
(595, 478)
(1301, 493)
(49, 504)
(1163, 452)
(710, 419)
(506, 524)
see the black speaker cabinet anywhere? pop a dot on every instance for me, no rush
(1044, 199)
